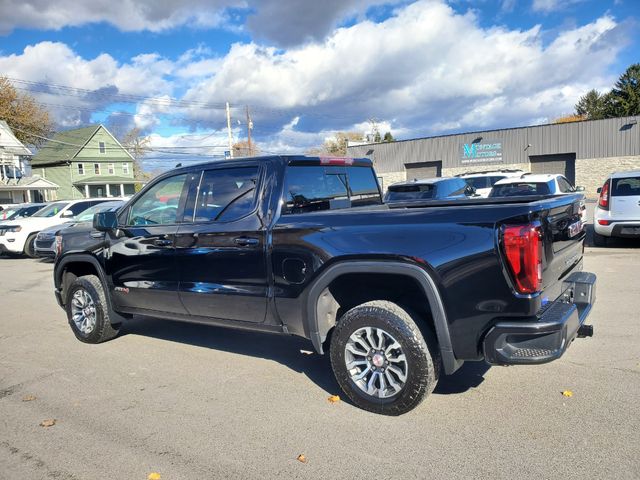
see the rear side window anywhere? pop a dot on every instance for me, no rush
(315, 188)
(493, 180)
(626, 187)
(80, 207)
(226, 194)
(478, 182)
(520, 189)
(564, 185)
(398, 193)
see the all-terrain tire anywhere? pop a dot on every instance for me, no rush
(419, 347)
(103, 330)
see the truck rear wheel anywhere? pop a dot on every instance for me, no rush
(88, 312)
(382, 360)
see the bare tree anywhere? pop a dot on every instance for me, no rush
(337, 145)
(30, 123)
(244, 149)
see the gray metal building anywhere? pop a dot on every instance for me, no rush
(585, 152)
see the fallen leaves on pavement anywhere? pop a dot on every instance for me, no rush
(153, 476)
(28, 398)
(48, 423)
(301, 458)
(334, 398)
(567, 393)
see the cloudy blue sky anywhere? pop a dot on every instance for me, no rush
(309, 68)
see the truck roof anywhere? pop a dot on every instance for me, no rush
(285, 159)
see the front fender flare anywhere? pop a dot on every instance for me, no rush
(59, 270)
(318, 329)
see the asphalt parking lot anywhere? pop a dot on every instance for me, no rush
(190, 401)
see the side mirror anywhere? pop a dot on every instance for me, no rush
(580, 189)
(67, 214)
(599, 190)
(470, 190)
(105, 221)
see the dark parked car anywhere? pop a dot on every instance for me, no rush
(440, 188)
(304, 246)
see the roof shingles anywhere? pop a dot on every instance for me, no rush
(64, 146)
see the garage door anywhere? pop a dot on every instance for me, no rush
(563, 164)
(423, 170)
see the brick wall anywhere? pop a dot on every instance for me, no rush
(390, 178)
(592, 172)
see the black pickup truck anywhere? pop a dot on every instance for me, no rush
(305, 246)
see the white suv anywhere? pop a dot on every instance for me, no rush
(617, 213)
(483, 181)
(18, 236)
(538, 184)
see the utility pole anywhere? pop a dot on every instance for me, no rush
(249, 128)
(229, 131)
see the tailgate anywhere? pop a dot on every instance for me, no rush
(542, 248)
(563, 242)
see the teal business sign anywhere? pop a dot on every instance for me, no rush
(481, 152)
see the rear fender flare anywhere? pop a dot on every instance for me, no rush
(316, 310)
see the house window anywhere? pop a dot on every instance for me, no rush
(102, 147)
(112, 169)
(125, 168)
(96, 168)
(81, 169)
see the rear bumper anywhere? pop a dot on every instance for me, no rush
(548, 336)
(626, 230)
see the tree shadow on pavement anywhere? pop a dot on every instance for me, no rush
(469, 376)
(291, 351)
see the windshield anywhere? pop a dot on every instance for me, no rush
(520, 189)
(88, 214)
(410, 192)
(9, 213)
(51, 210)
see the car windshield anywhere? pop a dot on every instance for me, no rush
(520, 189)
(51, 210)
(626, 187)
(88, 214)
(9, 213)
(410, 192)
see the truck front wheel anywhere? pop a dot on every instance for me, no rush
(88, 312)
(382, 360)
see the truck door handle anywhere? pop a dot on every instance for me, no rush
(161, 242)
(246, 241)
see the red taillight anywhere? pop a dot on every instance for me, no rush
(604, 222)
(335, 161)
(523, 249)
(603, 202)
